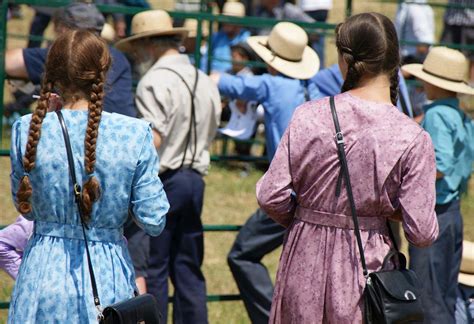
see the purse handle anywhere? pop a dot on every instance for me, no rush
(77, 198)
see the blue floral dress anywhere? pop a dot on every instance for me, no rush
(53, 284)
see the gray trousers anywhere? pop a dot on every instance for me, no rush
(259, 236)
(437, 267)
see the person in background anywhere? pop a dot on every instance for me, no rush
(459, 29)
(226, 37)
(290, 63)
(184, 108)
(452, 133)
(13, 239)
(391, 162)
(53, 283)
(414, 22)
(464, 313)
(318, 10)
(28, 63)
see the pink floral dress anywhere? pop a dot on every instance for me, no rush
(392, 167)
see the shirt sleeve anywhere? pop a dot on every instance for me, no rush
(423, 23)
(275, 188)
(10, 259)
(151, 102)
(34, 62)
(149, 203)
(417, 194)
(438, 126)
(244, 87)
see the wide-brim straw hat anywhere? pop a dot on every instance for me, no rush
(466, 274)
(233, 8)
(150, 23)
(286, 50)
(444, 68)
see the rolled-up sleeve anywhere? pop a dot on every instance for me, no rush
(149, 201)
(151, 102)
(417, 194)
(275, 188)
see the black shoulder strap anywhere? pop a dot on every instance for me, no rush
(77, 198)
(192, 123)
(345, 171)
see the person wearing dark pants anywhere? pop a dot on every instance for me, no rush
(179, 251)
(442, 261)
(38, 25)
(451, 131)
(184, 107)
(258, 237)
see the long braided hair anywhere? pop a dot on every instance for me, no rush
(368, 44)
(76, 68)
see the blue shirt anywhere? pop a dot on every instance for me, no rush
(329, 82)
(278, 95)
(447, 126)
(221, 53)
(118, 91)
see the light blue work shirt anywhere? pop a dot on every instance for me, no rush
(447, 126)
(279, 96)
(220, 49)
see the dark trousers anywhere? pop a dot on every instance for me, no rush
(259, 236)
(437, 266)
(38, 26)
(318, 40)
(178, 252)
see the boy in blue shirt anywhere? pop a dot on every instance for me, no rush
(452, 133)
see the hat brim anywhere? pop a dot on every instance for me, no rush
(417, 71)
(124, 45)
(304, 69)
(466, 279)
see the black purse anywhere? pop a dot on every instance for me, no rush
(138, 309)
(390, 295)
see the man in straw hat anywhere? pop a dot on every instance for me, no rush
(452, 133)
(465, 301)
(290, 63)
(183, 106)
(222, 41)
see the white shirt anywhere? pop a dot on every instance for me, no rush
(310, 5)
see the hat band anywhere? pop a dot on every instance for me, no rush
(274, 53)
(442, 77)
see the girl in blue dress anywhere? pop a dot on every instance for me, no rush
(117, 164)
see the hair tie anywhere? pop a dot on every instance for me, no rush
(26, 174)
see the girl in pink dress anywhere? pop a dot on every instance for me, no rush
(392, 168)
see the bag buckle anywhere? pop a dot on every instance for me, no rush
(339, 138)
(100, 315)
(409, 295)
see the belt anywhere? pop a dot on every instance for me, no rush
(338, 220)
(74, 232)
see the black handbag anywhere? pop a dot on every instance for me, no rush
(390, 295)
(139, 309)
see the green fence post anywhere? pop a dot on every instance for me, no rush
(197, 49)
(3, 47)
(348, 8)
(209, 42)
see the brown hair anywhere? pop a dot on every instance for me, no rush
(368, 43)
(76, 67)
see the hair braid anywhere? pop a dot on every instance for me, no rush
(91, 188)
(355, 69)
(34, 134)
(394, 78)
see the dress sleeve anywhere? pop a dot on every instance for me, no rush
(16, 159)
(417, 194)
(275, 189)
(149, 201)
(244, 87)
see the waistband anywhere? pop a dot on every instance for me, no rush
(339, 221)
(70, 231)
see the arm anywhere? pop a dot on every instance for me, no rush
(149, 204)
(243, 87)
(274, 189)
(417, 194)
(151, 102)
(15, 64)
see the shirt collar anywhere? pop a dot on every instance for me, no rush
(172, 60)
(451, 102)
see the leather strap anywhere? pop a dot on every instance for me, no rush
(77, 198)
(192, 123)
(345, 171)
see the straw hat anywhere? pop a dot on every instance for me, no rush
(444, 68)
(466, 275)
(150, 23)
(108, 33)
(233, 8)
(286, 50)
(191, 26)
